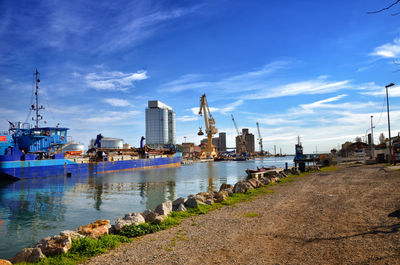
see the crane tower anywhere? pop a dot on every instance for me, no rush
(210, 128)
(260, 139)
(242, 141)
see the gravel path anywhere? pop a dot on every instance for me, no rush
(348, 216)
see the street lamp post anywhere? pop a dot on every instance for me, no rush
(390, 137)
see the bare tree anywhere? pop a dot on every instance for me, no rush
(358, 138)
(386, 8)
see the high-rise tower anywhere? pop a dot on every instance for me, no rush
(160, 124)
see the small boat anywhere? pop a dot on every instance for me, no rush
(268, 168)
(258, 170)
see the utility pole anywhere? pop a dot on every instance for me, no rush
(390, 137)
(372, 139)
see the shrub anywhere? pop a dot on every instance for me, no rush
(139, 230)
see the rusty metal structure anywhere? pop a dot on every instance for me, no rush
(260, 139)
(210, 129)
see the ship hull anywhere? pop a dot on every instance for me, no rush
(58, 167)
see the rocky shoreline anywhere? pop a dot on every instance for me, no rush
(62, 243)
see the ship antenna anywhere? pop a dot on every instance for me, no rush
(37, 107)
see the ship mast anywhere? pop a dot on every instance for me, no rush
(36, 107)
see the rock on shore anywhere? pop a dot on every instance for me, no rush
(129, 219)
(96, 229)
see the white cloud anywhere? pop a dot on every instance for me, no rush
(276, 121)
(248, 81)
(322, 112)
(111, 117)
(321, 102)
(195, 110)
(317, 86)
(223, 110)
(117, 102)
(378, 91)
(4, 111)
(388, 50)
(231, 107)
(367, 86)
(137, 23)
(76, 74)
(257, 84)
(186, 118)
(324, 123)
(115, 81)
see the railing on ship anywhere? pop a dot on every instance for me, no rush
(20, 125)
(17, 125)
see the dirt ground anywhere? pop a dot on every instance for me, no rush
(347, 216)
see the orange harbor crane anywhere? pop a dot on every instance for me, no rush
(210, 129)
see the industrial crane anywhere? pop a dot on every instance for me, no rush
(242, 142)
(210, 128)
(260, 139)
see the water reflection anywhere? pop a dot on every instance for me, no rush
(35, 208)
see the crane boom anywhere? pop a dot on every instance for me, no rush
(242, 141)
(209, 127)
(260, 139)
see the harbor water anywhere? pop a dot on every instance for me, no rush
(32, 209)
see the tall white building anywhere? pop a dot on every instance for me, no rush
(160, 124)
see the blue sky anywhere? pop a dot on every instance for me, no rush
(312, 68)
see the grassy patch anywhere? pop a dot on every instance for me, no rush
(181, 238)
(139, 230)
(291, 178)
(330, 168)
(252, 215)
(84, 248)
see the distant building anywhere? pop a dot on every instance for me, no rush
(219, 142)
(160, 124)
(222, 142)
(249, 139)
(188, 150)
(354, 149)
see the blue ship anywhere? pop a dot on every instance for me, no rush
(28, 151)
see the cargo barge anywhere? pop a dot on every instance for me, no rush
(16, 165)
(28, 151)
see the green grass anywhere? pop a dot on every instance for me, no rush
(330, 168)
(139, 230)
(292, 178)
(181, 238)
(85, 248)
(252, 215)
